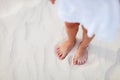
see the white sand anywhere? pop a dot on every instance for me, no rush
(29, 30)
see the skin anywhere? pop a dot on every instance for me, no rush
(52, 1)
(64, 48)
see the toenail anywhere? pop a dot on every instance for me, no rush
(76, 62)
(60, 55)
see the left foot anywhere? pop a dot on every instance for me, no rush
(81, 56)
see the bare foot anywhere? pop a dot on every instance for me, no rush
(63, 49)
(81, 56)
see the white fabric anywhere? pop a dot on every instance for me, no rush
(99, 17)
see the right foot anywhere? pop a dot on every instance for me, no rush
(63, 49)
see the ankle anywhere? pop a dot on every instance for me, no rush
(72, 40)
(82, 46)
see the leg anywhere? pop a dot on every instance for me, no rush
(86, 40)
(63, 49)
(84, 33)
(82, 54)
(72, 29)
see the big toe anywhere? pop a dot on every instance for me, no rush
(60, 54)
(75, 61)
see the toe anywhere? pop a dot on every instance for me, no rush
(57, 48)
(74, 61)
(78, 63)
(62, 56)
(59, 54)
(84, 61)
(58, 51)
